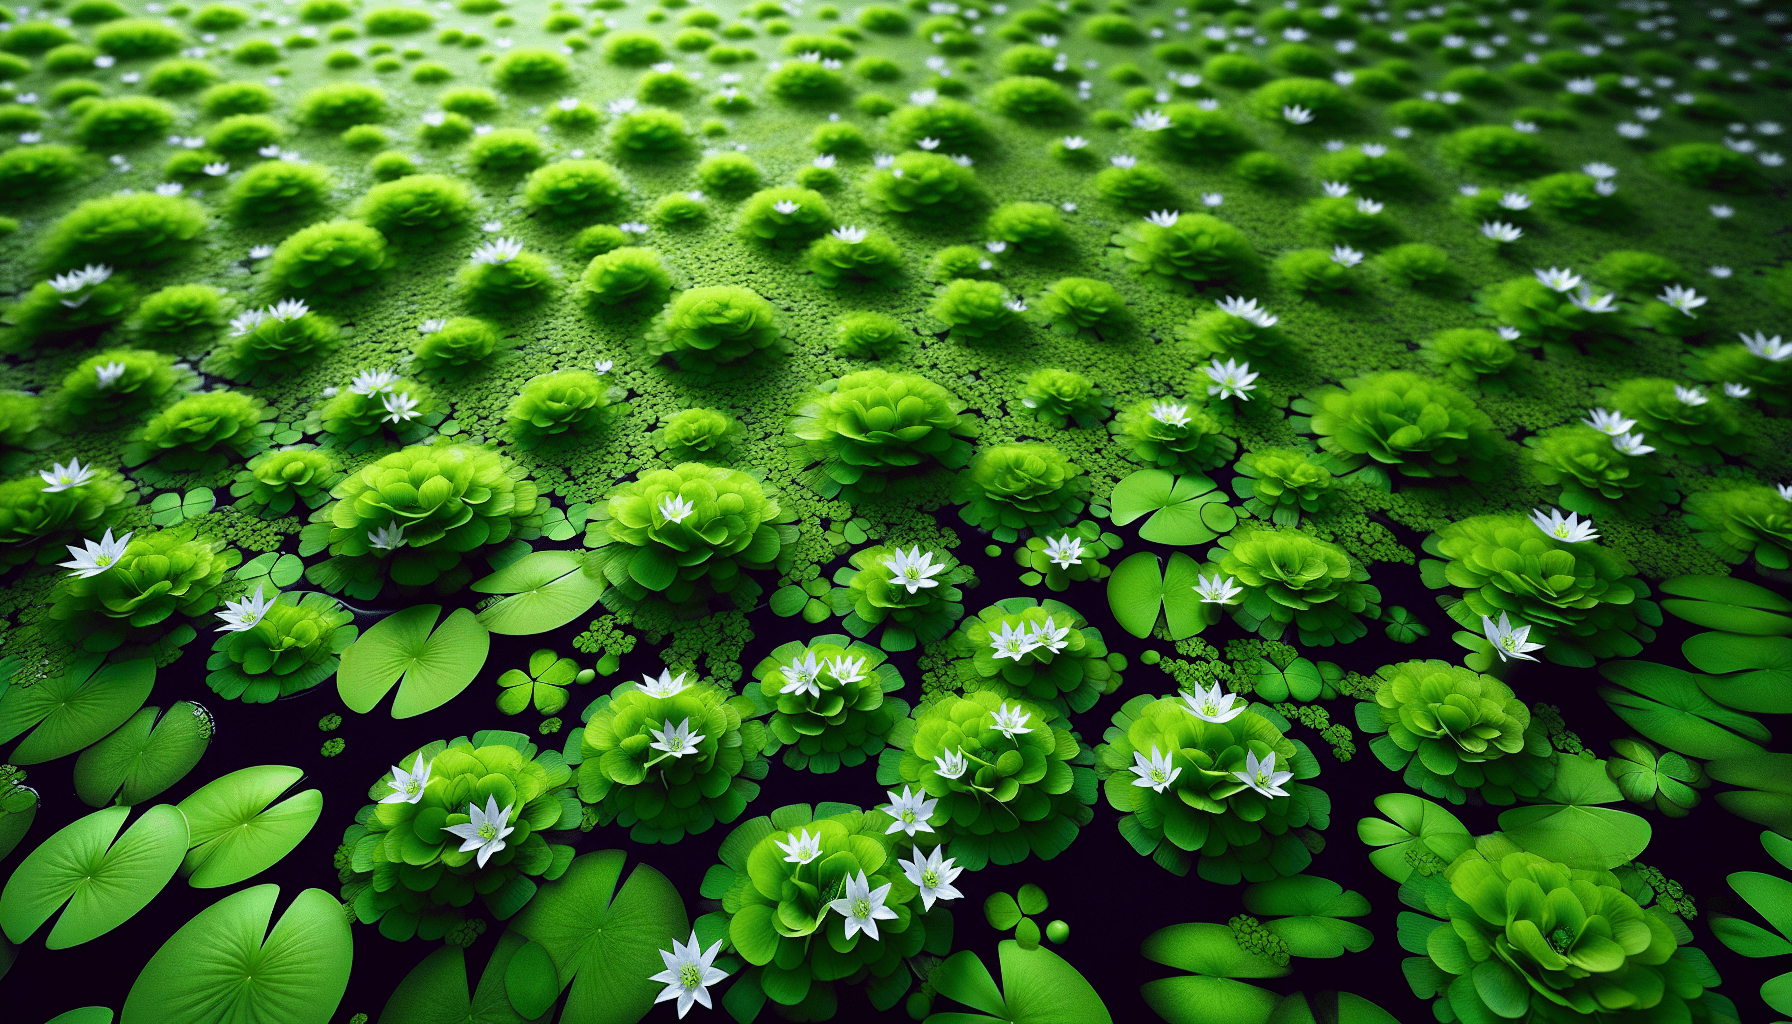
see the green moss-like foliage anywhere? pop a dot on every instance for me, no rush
(956, 124)
(1575, 198)
(1743, 521)
(1498, 149)
(274, 343)
(627, 275)
(160, 573)
(1032, 100)
(85, 403)
(1206, 817)
(562, 403)
(1064, 665)
(1236, 71)
(1194, 134)
(1000, 808)
(929, 186)
(327, 259)
(458, 346)
(1387, 175)
(124, 229)
(35, 37)
(1710, 166)
(1219, 332)
(520, 282)
(242, 134)
(417, 208)
(220, 18)
(785, 214)
(1034, 228)
(128, 38)
(705, 329)
(364, 138)
(729, 174)
(1182, 436)
(633, 49)
(826, 702)
(180, 315)
(27, 171)
(1454, 732)
(723, 522)
(975, 311)
(293, 648)
(1467, 354)
(355, 412)
(1059, 396)
(1327, 102)
(851, 256)
(1342, 219)
(870, 336)
(1595, 477)
(31, 513)
(1425, 115)
(1416, 265)
(280, 481)
(649, 135)
(123, 121)
(569, 190)
(21, 415)
(678, 211)
(1426, 429)
(444, 128)
(1696, 431)
(1594, 946)
(507, 151)
(868, 428)
(699, 435)
(179, 77)
(1312, 272)
(396, 21)
(277, 190)
(1293, 579)
(423, 892)
(676, 796)
(341, 104)
(450, 500)
(528, 68)
(1281, 484)
(1013, 487)
(1580, 599)
(1197, 249)
(1141, 187)
(1770, 379)
(1632, 271)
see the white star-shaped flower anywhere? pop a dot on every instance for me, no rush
(1508, 643)
(1571, 530)
(485, 832)
(667, 685)
(674, 508)
(675, 740)
(690, 970)
(96, 556)
(1011, 722)
(1064, 551)
(65, 476)
(1011, 642)
(1262, 775)
(1213, 705)
(933, 876)
(240, 616)
(407, 787)
(911, 811)
(1156, 773)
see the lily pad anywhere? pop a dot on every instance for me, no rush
(605, 942)
(144, 756)
(238, 830)
(280, 570)
(104, 882)
(1754, 673)
(430, 668)
(1136, 593)
(1571, 829)
(547, 589)
(1210, 949)
(1667, 705)
(435, 992)
(88, 700)
(1729, 604)
(1184, 510)
(226, 966)
(1414, 827)
(171, 509)
(1038, 987)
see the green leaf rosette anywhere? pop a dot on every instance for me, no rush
(1291, 578)
(449, 499)
(1424, 428)
(1062, 665)
(1526, 938)
(683, 533)
(826, 701)
(1741, 522)
(407, 872)
(867, 595)
(294, 647)
(279, 481)
(1694, 431)
(36, 520)
(1205, 815)
(1454, 731)
(659, 796)
(1596, 478)
(1002, 795)
(775, 911)
(1015, 487)
(1580, 600)
(868, 427)
(160, 573)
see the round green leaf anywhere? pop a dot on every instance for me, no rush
(1002, 911)
(103, 882)
(144, 756)
(225, 966)
(237, 829)
(72, 710)
(1135, 592)
(530, 981)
